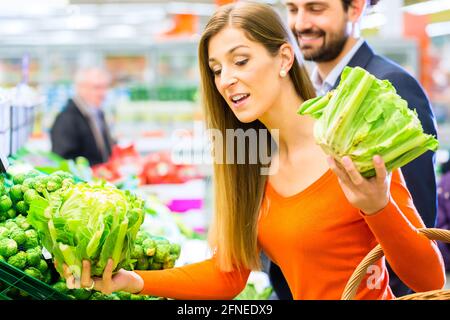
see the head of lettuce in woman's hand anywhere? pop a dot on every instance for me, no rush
(88, 222)
(364, 117)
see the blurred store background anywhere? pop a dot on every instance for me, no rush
(150, 49)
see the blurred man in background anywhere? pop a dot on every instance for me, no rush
(80, 129)
(328, 34)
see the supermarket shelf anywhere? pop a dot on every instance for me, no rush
(191, 201)
(194, 189)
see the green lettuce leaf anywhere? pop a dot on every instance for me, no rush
(363, 117)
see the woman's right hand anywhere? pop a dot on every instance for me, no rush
(122, 280)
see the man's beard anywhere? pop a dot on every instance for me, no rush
(332, 45)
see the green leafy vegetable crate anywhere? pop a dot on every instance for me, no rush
(13, 279)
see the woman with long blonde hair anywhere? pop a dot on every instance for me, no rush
(314, 218)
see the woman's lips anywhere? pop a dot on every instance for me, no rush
(240, 103)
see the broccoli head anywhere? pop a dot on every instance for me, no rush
(4, 232)
(162, 251)
(31, 240)
(42, 266)
(141, 236)
(81, 294)
(175, 249)
(33, 257)
(19, 178)
(10, 224)
(67, 183)
(8, 248)
(142, 263)
(19, 260)
(54, 184)
(16, 193)
(137, 252)
(19, 219)
(61, 287)
(35, 273)
(11, 213)
(156, 266)
(3, 189)
(30, 195)
(24, 225)
(28, 183)
(22, 207)
(39, 184)
(170, 261)
(149, 247)
(18, 235)
(5, 203)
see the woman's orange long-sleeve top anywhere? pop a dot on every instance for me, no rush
(318, 238)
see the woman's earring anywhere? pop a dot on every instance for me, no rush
(283, 73)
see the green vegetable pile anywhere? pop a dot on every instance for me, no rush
(17, 193)
(363, 117)
(75, 221)
(154, 253)
(20, 247)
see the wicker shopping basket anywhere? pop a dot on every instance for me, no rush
(376, 253)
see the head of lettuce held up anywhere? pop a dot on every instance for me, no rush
(87, 221)
(363, 117)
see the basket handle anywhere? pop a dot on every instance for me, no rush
(376, 253)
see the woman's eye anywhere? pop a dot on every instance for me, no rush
(217, 72)
(241, 62)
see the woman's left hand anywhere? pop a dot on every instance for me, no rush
(123, 280)
(369, 195)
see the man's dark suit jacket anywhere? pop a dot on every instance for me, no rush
(419, 174)
(72, 135)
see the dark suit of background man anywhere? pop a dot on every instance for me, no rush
(327, 33)
(80, 129)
